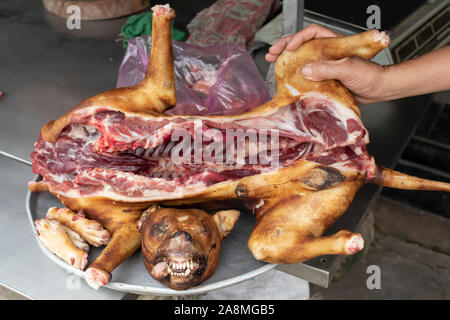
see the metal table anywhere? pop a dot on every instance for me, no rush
(45, 71)
(23, 267)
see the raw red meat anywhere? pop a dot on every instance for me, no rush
(106, 152)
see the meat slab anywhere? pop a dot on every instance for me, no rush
(106, 153)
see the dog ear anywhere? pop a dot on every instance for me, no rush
(225, 220)
(145, 214)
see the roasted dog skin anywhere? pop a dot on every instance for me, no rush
(293, 205)
(181, 247)
(55, 238)
(90, 230)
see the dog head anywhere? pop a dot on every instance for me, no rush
(181, 247)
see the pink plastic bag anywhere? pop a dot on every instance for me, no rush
(217, 80)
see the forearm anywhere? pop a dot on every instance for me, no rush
(426, 74)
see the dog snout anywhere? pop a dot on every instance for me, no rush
(183, 233)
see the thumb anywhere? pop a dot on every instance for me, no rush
(327, 70)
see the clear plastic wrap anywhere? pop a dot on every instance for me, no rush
(216, 80)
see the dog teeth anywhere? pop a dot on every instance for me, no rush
(182, 269)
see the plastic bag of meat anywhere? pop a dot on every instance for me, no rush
(231, 21)
(216, 80)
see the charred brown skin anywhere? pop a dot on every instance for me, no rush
(205, 231)
(153, 95)
(293, 205)
(120, 219)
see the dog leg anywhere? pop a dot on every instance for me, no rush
(124, 242)
(289, 229)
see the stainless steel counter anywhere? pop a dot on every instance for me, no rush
(23, 267)
(43, 73)
(45, 70)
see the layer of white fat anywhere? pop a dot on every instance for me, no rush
(108, 191)
(86, 133)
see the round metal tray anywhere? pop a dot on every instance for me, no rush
(236, 262)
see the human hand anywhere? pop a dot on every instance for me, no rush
(363, 78)
(293, 41)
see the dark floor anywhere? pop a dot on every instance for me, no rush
(428, 155)
(411, 249)
(408, 271)
(411, 244)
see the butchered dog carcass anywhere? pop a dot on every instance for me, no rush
(110, 156)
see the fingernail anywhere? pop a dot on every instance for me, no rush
(307, 70)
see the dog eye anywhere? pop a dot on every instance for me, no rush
(159, 229)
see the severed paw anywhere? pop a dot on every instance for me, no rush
(55, 238)
(163, 10)
(354, 244)
(76, 239)
(96, 278)
(382, 37)
(90, 230)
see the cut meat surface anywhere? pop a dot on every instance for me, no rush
(110, 153)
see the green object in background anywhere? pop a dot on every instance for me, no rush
(141, 24)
